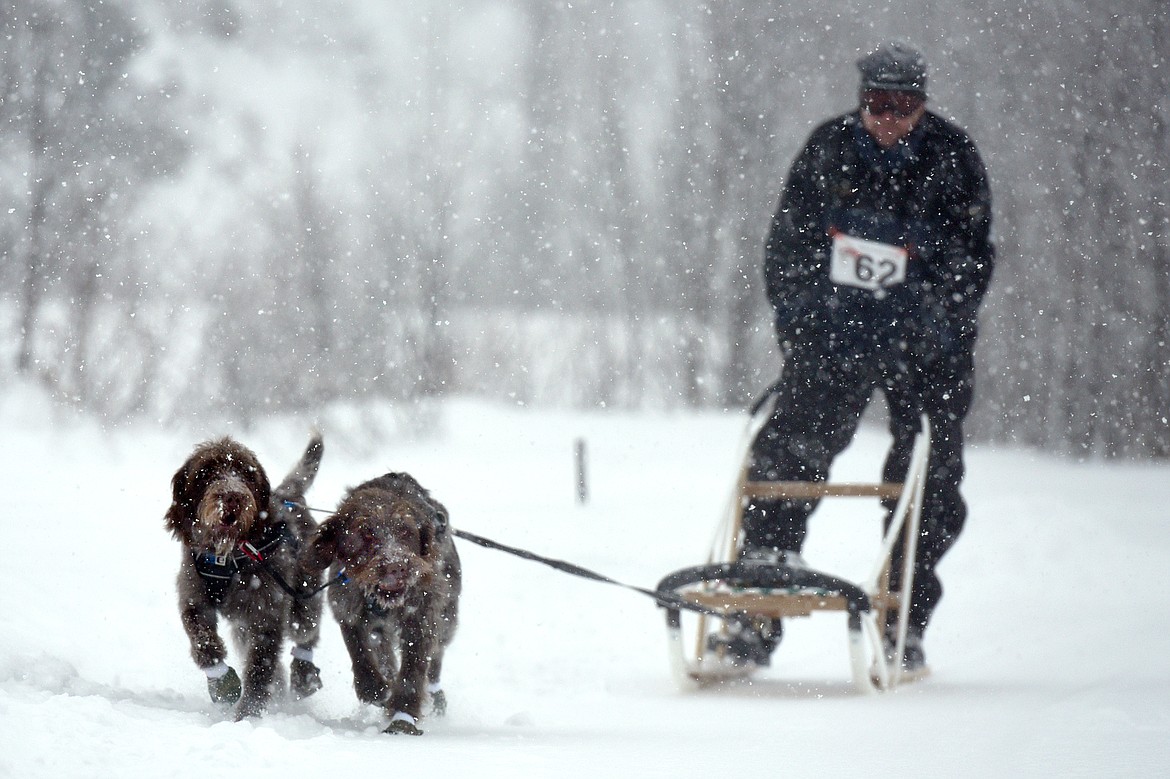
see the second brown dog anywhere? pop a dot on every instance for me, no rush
(391, 544)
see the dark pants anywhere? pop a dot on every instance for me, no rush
(821, 394)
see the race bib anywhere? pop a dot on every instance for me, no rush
(856, 262)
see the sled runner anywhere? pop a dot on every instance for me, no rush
(749, 592)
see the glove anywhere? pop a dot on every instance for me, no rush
(940, 334)
(797, 314)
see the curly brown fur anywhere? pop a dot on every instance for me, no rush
(399, 609)
(222, 500)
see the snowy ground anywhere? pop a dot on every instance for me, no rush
(1051, 652)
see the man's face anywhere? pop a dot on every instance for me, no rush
(889, 115)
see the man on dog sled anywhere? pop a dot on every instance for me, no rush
(878, 258)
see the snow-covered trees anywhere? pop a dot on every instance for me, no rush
(547, 201)
(80, 139)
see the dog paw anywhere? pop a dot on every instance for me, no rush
(304, 678)
(249, 707)
(225, 689)
(403, 723)
(439, 702)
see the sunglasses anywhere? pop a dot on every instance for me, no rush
(878, 102)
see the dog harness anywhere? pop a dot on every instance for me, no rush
(219, 571)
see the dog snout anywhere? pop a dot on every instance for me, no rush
(394, 575)
(231, 507)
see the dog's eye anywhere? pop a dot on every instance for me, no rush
(406, 534)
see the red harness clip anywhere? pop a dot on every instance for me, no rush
(251, 552)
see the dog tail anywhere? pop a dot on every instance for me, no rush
(301, 477)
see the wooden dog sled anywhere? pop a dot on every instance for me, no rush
(754, 592)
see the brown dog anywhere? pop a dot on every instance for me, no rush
(240, 541)
(391, 543)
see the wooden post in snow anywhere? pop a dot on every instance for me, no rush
(579, 459)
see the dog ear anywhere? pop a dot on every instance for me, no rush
(179, 513)
(436, 529)
(442, 520)
(321, 550)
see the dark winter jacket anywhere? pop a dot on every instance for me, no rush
(928, 194)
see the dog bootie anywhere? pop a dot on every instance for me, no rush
(402, 722)
(304, 678)
(225, 688)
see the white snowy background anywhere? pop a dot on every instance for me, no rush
(1051, 650)
(442, 143)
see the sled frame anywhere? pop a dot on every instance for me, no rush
(872, 670)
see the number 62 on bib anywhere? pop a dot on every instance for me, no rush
(872, 265)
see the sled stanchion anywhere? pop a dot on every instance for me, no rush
(729, 590)
(911, 520)
(855, 625)
(879, 677)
